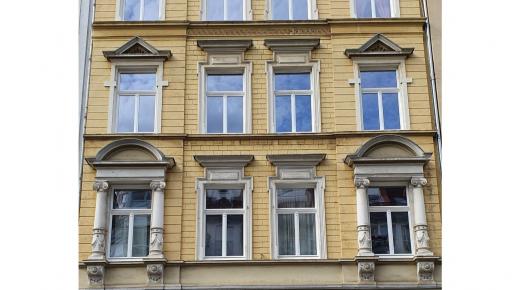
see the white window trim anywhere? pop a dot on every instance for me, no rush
(246, 69)
(247, 13)
(121, 65)
(402, 85)
(245, 183)
(120, 10)
(319, 188)
(314, 68)
(312, 7)
(408, 208)
(395, 11)
(130, 225)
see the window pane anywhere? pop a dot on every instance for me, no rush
(363, 9)
(379, 79)
(379, 227)
(235, 115)
(387, 196)
(235, 10)
(119, 236)
(215, 121)
(151, 10)
(225, 82)
(146, 114)
(280, 9)
(300, 10)
(383, 8)
(132, 198)
(295, 197)
(224, 198)
(137, 82)
(370, 112)
(132, 10)
(401, 232)
(307, 234)
(125, 114)
(283, 117)
(214, 9)
(213, 235)
(141, 236)
(303, 114)
(391, 111)
(286, 234)
(297, 81)
(235, 235)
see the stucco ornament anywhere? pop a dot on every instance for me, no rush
(155, 273)
(366, 271)
(100, 185)
(361, 182)
(158, 185)
(418, 181)
(425, 271)
(98, 241)
(364, 239)
(96, 275)
(156, 245)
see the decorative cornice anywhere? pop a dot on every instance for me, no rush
(260, 30)
(137, 48)
(296, 159)
(224, 45)
(379, 45)
(212, 161)
(291, 45)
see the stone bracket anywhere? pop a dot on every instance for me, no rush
(366, 269)
(155, 272)
(425, 269)
(96, 275)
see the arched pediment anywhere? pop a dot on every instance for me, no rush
(388, 148)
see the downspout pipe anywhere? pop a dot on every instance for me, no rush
(433, 82)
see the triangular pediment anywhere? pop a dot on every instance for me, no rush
(137, 48)
(379, 45)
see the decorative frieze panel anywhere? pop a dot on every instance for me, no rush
(260, 31)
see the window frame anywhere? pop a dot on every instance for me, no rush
(245, 69)
(120, 10)
(134, 66)
(394, 9)
(312, 11)
(127, 212)
(382, 63)
(247, 14)
(388, 210)
(310, 66)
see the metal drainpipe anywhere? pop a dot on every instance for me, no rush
(433, 80)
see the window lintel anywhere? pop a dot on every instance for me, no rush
(292, 45)
(223, 161)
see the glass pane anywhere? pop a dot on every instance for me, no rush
(215, 119)
(391, 111)
(125, 114)
(370, 112)
(307, 234)
(383, 8)
(379, 227)
(401, 232)
(137, 82)
(213, 235)
(224, 198)
(224, 83)
(141, 236)
(146, 114)
(295, 197)
(119, 236)
(286, 234)
(297, 81)
(132, 198)
(214, 9)
(131, 10)
(379, 79)
(387, 196)
(300, 10)
(280, 9)
(235, 10)
(303, 114)
(363, 9)
(235, 235)
(151, 10)
(282, 111)
(235, 115)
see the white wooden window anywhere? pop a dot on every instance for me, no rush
(292, 9)
(390, 220)
(375, 8)
(140, 10)
(223, 10)
(129, 232)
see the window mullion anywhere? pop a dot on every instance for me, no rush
(141, 14)
(224, 235)
(373, 7)
(293, 112)
(225, 10)
(290, 10)
(390, 232)
(136, 113)
(224, 112)
(380, 108)
(297, 234)
(130, 234)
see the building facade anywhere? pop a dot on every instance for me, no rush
(280, 144)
